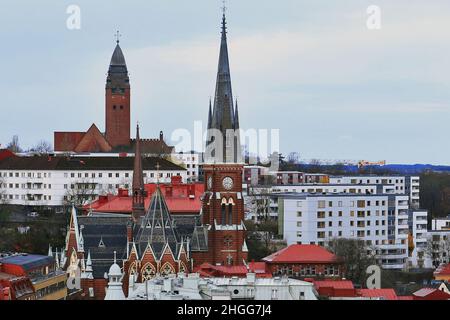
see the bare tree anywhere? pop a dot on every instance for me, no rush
(438, 249)
(80, 193)
(42, 147)
(355, 255)
(14, 146)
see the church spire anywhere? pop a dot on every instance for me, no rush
(138, 180)
(210, 115)
(223, 114)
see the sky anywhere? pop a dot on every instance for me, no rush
(310, 68)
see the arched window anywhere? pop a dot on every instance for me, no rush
(182, 268)
(148, 272)
(224, 212)
(230, 211)
(167, 269)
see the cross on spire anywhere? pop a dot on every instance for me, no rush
(117, 36)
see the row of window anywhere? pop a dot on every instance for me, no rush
(25, 197)
(360, 214)
(26, 174)
(25, 186)
(40, 175)
(359, 224)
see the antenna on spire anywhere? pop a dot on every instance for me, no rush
(117, 36)
(224, 7)
(115, 256)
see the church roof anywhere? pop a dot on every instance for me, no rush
(102, 236)
(118, 59)
(156, 227)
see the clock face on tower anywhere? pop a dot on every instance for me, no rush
(209, 183)
(227, 183)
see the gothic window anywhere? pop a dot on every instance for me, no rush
(229, 260)
(224, 211)
(167, 269)
(148, 272)
(230, 211)
(182, 268)
(228, 242)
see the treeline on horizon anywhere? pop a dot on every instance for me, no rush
(434, 180)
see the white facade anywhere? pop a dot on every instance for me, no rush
(380, 220)
(54, 187)
(418, 220)
(191, 161)
(195, 288)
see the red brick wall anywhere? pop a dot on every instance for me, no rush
(118, 118)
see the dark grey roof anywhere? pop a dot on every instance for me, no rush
(118, 59)
(199, 240)
(156, 227)
(85, 163)
(111, 231)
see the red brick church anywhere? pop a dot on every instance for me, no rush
(117, 135)
(149, 240)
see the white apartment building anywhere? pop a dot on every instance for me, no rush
(380, 220)
(191, 161)
(418, 222)
(261, 201)
(53, 181)
(193, 287)
(409, 185)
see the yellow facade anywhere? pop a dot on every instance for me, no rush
(52, 288)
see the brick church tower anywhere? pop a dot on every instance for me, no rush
(223, 203)
(118, 101)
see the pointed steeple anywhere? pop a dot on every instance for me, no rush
(236, 117)
(118, 71)
(223, 114)
(156, 228)
(138, 181)
(210, 115)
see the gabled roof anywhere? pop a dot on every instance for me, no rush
(93, 141)
(386, 294)
(301, 253)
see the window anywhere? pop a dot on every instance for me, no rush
(299, 214)
(321, 204)
(321, 214)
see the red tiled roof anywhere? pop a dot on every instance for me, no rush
(443, 270)
(405, 298)
(257, 267)
(301, 253)
(337, 284)
(424, 292)
(387, 294)
(177, 199)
